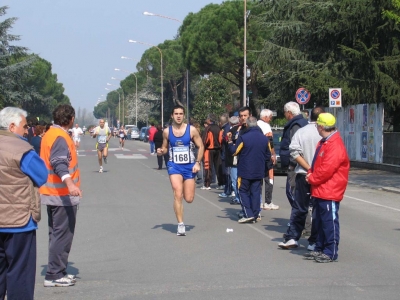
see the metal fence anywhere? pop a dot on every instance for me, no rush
(391, 148)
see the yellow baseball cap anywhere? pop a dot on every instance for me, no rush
(326, 119)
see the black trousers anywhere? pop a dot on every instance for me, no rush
(160, 160)
(212, 159)
(62, 221)
(17, 265)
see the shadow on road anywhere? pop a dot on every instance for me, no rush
(70, 269)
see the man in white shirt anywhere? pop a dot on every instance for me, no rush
(76, 136)
(263, 123)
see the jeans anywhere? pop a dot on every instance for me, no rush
(234, 182)
(152, 146)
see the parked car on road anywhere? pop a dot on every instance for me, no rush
(132, 132)
(142, 133)
(146, 135)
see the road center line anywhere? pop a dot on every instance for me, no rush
(376, 204)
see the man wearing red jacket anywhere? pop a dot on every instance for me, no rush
(152, 132)
(328, 177)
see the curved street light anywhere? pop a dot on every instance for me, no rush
(162, 86)
(146, 13)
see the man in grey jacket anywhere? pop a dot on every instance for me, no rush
(302, 149)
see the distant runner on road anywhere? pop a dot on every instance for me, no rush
(103, 134)
(180, 139)
(122, 137)
(76, 136)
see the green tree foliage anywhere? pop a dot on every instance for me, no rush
(212, 40)
(322, 44)
(13, 64)
(213, 95)
(26, 80)
(173, 70)
(100, 110)
(49, 92)
(393, 14)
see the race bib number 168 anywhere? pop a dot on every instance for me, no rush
(181, 155)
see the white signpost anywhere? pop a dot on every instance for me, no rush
(335, 97)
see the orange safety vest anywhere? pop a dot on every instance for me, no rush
(54, 185)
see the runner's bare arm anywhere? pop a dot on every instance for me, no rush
(164, 148)
(194, 133)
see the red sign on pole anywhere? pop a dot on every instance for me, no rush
(303, 96)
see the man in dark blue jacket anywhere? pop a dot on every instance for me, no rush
(295, 121)
(253, 154)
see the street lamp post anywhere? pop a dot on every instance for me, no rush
(162, 86)
(187, 71)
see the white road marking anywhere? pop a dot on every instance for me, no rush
(376, 204)
(130, 156)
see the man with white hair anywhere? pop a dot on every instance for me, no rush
(302, 149)
(263, 123)
(22, 172)
(295, 121)
(253, 152)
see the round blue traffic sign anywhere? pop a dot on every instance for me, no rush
(335, 94)
(303, 96)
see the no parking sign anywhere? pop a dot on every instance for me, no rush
(335, 97)
(302, 96)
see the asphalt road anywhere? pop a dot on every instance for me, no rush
(125, 245)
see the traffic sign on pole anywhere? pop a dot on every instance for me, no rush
(303, 96)
(335, 97)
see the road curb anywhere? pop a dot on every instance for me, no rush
(391, 189)
(376, 187)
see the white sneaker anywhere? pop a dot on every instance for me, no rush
(101, 170)
(181, 230)
(71, 277)
(233, 194)
(63, 281)
(270, 206)
(220, 187)
(205, 188)
(246, 220)
(290, 244)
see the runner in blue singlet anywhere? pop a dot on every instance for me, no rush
(180, 139)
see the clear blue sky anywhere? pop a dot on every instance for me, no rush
(84, 40)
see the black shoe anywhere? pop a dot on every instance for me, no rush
(234, 202)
